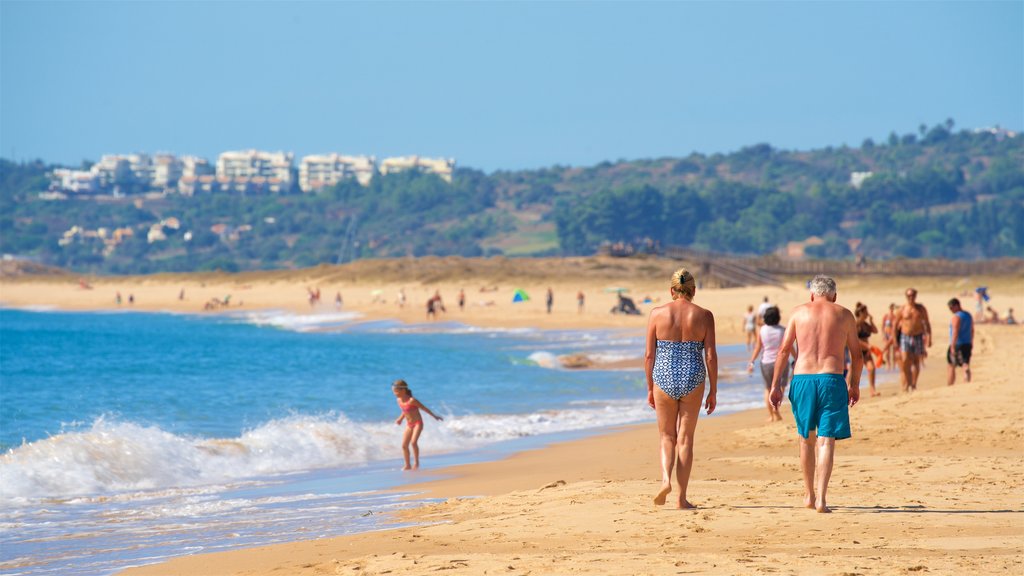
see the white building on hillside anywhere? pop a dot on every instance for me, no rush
(75, 181)
(443, 167)
(322, 170)
(276, 167)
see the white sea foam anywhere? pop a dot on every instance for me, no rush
(297, 322)
(115, 457)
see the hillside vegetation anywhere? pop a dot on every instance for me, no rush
(934, 193)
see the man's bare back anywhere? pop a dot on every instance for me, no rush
(822, 331)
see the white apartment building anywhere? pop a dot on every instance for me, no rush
(322, 170)
(75, 181)
(443, 167)
(275, 166)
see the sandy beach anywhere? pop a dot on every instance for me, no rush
(931, 482)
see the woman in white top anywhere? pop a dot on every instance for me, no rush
(769, 339)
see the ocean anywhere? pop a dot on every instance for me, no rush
(127, 438)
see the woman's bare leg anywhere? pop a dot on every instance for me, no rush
(689, 409)
(667, 411)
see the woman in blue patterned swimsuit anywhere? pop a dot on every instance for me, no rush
(680, 356)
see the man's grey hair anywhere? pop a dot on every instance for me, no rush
(823, 285)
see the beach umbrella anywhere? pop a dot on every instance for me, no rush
(617, 289)
(520, 295)
(376, 292)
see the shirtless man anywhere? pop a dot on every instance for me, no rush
(915, 337)
(819, 395)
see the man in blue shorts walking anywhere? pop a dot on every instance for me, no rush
(821, 398)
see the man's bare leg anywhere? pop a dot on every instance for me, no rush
(826, 452)
(667, 412)
(689, 410)
(915, 369)
(807, 466)
(967, 372)
(908, 381)
(951, 375)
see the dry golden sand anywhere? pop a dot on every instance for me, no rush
(931, 482)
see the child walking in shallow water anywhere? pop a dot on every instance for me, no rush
(413, 422)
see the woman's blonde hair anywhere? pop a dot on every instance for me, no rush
(683, 284)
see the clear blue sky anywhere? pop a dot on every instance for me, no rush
(506, 85)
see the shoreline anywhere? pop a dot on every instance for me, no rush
(943, 500)
(584, 505)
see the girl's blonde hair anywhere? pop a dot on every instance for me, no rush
(683, 284)
(401, 385)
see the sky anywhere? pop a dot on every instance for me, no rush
(497, 85)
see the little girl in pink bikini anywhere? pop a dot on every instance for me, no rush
(413, 421)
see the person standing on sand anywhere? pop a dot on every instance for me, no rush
(462, 300)
(680, 355)
(820, 396)
(889, 351)
(550, 299)
(769, 338)
(915, 338)
(865, 328)
(961, 341)
(581, 300)
(410, 408)
(750, 327)
(434, 304)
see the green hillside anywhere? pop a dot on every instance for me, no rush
(934, 193)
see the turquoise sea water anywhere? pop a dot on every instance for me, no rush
(127, 438)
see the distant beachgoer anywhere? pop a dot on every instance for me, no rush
(961, 341)
(1009, 317)
(462, 299)
(820, 397)
(680, 355)
(410, 408)
(338, 302)
(433, 305)
(865, 328)
(750, 327)
(915, 338)
(181, 295)
(765, 305)
(401, 297)
(550, 299)
(993, 316)
(890, 351)
(769, 339)
(580, 301)
(980, 297)
(131, 299)
(118, 298)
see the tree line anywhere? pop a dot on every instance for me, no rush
(934, 193)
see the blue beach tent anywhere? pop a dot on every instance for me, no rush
(520, 296)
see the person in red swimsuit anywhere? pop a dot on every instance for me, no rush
(413, 422)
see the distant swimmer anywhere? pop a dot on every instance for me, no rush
(410, 408)
(915, 338)
(680, 355)
(581, 300)
(961, 341)
(820, 397)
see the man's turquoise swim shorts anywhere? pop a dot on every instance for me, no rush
(821, 402)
